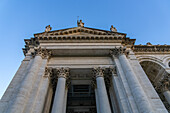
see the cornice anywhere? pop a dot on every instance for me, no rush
(151, 49)
(73, 30)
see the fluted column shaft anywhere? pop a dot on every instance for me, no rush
(42, 92)
(60, 91)
(137, 91)
(26, 86)
(97, 101)
(65, 100)
(101, 91)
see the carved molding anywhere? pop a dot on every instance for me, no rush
(44, 53)
(151, 48)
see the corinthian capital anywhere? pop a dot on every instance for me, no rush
(63, 72)
(48, 72)
(44, 53)
(98, 71)
(118, 51)
(113, 70)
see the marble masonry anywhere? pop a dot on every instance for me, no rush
(89, 70)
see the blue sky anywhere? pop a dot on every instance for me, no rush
(144, 20)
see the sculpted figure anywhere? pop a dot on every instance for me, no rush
(80, 23)
(48, 28)
(113, 29)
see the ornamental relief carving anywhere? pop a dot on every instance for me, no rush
(98, 71)
(151, 48)
(48, 72)
(163, 84)
(55, 73)
(113, 71)
(44, 53)
(62, 72)
(119, 51)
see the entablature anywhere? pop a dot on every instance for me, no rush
(151, 49)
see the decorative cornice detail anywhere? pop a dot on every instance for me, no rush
(151, 48)
(87, 30)
(44, 53)
(63, 72)
(79, 37)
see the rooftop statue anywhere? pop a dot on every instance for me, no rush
(113, 29)
(80, 23)
(48, 28)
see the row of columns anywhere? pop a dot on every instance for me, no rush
(60, 98)
(102, 101)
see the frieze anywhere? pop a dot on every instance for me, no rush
(79, 37)
(151, 48)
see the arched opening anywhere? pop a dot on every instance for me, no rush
(158, 77)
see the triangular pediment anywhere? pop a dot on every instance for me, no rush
(79, 31)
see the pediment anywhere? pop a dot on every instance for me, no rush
(79, 31)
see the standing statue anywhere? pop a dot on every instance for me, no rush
(80, 23)
(113, 29)
(48, 28)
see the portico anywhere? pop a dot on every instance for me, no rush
(84, 70)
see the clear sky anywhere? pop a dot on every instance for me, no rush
(144, 20)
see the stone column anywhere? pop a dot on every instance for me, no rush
(101, 91)
(139, 95)
(60, 90)
(93, 84)
(97, 101)
(19, 103)
(65, 100)
(166, 87)
(42, 92)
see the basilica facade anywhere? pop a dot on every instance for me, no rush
(88, 70)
